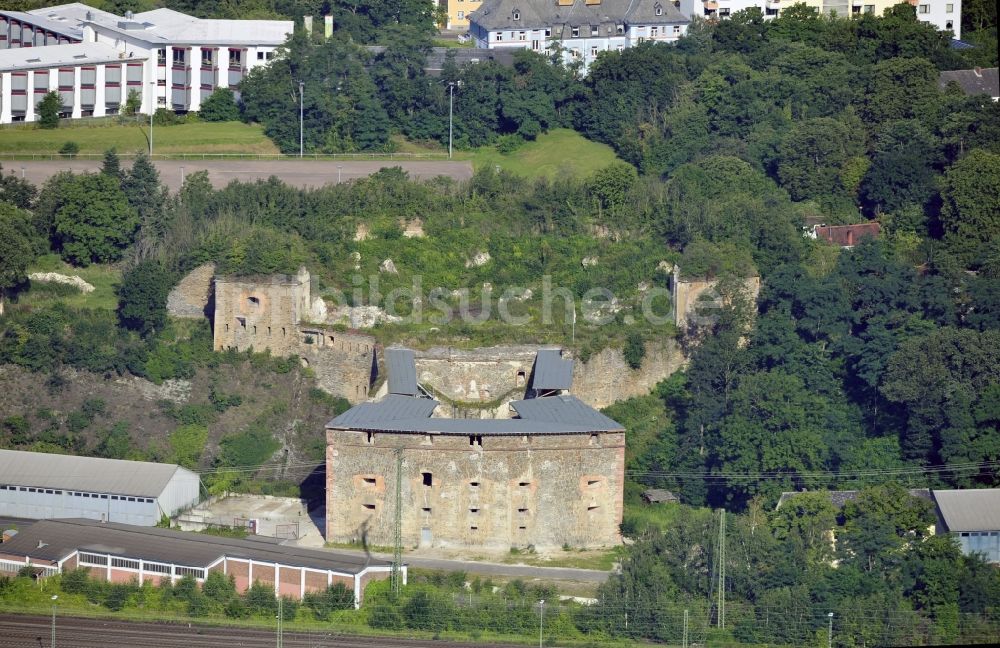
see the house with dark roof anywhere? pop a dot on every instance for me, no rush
(550, 473)
(121, 553)
(975, 82)
(582, 29)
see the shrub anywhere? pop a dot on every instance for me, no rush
(506, 144)
(220, 106)
(69, 149)
(48, 110)
(635, 350)
(187, 443)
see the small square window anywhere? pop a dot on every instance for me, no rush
(576, 32)
(426, 510)
(949, 8)
(369, 507)
(427, 478)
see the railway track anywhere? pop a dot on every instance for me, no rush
(34, 632)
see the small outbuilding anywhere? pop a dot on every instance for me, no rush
(39, 486)
(660, 496)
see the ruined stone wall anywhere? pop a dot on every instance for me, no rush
(191, 298)
(686, 293)
(511, 491)
(260, 312)
(477, 375)
(606, 377)
(266, 313)
(485, 375)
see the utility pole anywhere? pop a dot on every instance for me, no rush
(684, 641)
(280, 614)
(541, 620)
(829, 632)
(52, 643)
(722, 569)
(397, 540)
(451, 113)
(302, 86)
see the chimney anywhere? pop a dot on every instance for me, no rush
(978, 71)
(307, 21)
(327, 26)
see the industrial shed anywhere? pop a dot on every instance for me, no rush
(39, 486)
(121, 553)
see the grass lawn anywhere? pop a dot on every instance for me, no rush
(562, 150)
(103, 278)
(97, 137)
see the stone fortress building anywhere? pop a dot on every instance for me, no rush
(549, 474)
(275, 313)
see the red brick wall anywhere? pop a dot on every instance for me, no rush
(263, 573)
(240, 571)
(291, 582)
(315, 581)
(122, 576)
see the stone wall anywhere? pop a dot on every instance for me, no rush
(686, 294)
(192, 297)
(511, 491)
(271, 313)
(606, 378)
(504, 372)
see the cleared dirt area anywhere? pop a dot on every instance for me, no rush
(304, 174)
(274, 517)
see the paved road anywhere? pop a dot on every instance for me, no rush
(497, 569)
(34, 632)
(308, 173)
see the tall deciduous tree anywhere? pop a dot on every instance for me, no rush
(93, 220)
(48, 110)
(142, 297)
(971, 211)
(16, 249)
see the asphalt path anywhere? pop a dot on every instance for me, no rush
(35, 632)
(496, 569)
(304, 174)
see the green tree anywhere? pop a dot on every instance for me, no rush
(812, 155)
(48, 110)
(635, 350)
(187, 444)
(16, 249)
(147, 197)
(970, 214)
(111, 165)
(879, 524)
(612, 184)
(142, 297)
(220, 106)
(93, 220)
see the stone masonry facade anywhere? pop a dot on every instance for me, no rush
(495, 492)
(273, 313)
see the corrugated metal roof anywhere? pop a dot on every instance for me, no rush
(391, 408)
(970, 510)
(60, 538)
(402, 367)
(552, 371)
(565, 410)
(66, 472)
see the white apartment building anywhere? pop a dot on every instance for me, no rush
(583, 28)
(945, 15)
(94, 58)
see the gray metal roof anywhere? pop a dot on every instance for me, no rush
(979, 81)
(70, 54)
(393, 407)
(66, 472)
(969, 510)
(57, 539)
(536, 14)
(549, 415)
(483, 427)
(402, 367)
(565, 410)
(552, 371)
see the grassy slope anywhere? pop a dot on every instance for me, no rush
(560, 150)
(103, 278)
(198, 137)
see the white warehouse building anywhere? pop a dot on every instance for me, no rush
(38, 486)
(94, 58)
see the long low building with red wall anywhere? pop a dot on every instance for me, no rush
(121, 553)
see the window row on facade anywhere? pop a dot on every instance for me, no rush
(53, 491)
